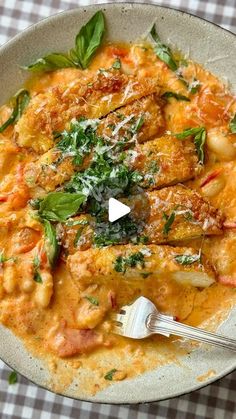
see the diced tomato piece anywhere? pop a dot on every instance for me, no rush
(229, 280)
(229, 224)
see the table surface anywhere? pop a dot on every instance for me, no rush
(25, 400)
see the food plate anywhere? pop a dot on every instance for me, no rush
(206, 44)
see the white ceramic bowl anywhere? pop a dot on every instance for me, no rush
(206, 43)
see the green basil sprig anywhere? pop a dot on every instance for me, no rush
(50, 62)
(176, 96)
(163, 51)
(232, 125)
(51, 243)
(87, 42)
(169, 221)
(199, 134)
(58, 206)
(20, 100)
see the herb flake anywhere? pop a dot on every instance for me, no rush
(20, 100)
(92, 300)
(177, 96)
(199, 134)
(169, 221)
(232, 125)
(117, 64)
(12, 378)
(187, 259)
(109, 375)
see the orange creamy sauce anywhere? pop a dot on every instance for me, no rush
(21, 310)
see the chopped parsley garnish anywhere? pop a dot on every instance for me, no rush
(153, 167)
(162, 51)
(87, 42)
(36, 264)
(38, 277)
(232, 125)
(143, 239)
(188, 216)
(188, 259)
(146, 274)
(92, 300)
(109, 374)
(20, 102)
(79, 140)
(12, 378)
(169, 221)
(78, 236)
(194, 86)
(3, 258)
(106, 177)
(176, 96)
(122, 263)
(58, 206)
(117, 64)
(138, 124)
(71, 223)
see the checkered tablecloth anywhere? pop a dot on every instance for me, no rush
(25, 400)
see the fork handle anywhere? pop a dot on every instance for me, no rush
(158, 323)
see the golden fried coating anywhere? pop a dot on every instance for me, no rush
(52, 111)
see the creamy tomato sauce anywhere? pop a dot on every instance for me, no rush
(59, 301)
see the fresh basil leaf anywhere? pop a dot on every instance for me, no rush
(176, 96)
(187, 259)
(199, 141)
(169, 221)
(194, 86)
(21, 100)
(162, 51)
(117, 64)
(12, 379)
(71, 223)
(89, 39)
(50, 62)
(109, 374)
(139, 124)
(187, 132)
(92, 300)
(199, 134)
(51, 243)
(232, 125)
(2, 257)
(58, 206)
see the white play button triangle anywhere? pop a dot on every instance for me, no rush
(117, 210)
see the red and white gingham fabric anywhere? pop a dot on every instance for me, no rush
(25, 400)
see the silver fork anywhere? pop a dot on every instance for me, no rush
(142, 319)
